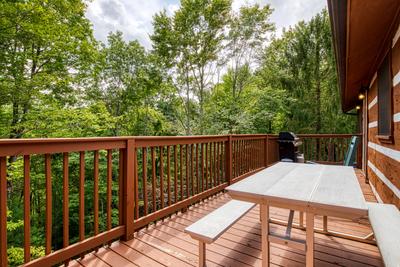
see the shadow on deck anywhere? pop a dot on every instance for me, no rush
(166, 244)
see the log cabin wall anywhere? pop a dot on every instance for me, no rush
(383, 158)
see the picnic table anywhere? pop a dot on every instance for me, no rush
(314, 189)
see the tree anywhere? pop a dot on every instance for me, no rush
(44, 44)
(247, 34)
(301, 62)
(189, 43)
(129, 81)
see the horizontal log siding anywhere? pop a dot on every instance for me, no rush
(388, 166)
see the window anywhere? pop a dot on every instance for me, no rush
(385, 99)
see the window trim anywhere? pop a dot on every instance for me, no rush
(387, 138)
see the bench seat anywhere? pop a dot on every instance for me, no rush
(213, 225)
(385, 222)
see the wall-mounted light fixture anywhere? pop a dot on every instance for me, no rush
(361, 96)
(358, 107)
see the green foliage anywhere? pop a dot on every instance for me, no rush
(16, 254)
(211, 70)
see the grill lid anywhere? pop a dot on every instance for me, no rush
(287, 136)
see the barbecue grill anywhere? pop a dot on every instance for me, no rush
(289, 147)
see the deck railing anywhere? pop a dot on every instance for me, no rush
(328, 148)
(143, 179)
(133, 181)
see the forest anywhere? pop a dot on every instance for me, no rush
(211, 70)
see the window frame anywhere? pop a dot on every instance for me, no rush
(386, 137)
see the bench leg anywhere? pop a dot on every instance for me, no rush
(325, 223)
(202, 254)
(264, 212)
(301, 219)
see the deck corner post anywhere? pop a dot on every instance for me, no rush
(228, 155)
(129, 158)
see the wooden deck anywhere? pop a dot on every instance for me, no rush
(166, 244)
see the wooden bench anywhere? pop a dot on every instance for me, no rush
(213, 225)
(385, 222)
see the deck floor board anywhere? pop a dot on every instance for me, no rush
(166, 244)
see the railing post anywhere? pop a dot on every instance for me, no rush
(3, 211)
(228, 155)
(129, 161)
(266, 151)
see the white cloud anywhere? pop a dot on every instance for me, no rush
(287, 12)
(134, 18)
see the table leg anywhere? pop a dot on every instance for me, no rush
(264, 212)
(310, 239)
(202, 254)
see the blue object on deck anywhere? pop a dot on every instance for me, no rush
(351, 152)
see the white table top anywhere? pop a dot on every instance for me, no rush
(323, 189)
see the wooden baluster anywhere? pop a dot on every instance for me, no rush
(27, 210)
(136, 183)
(47, 167)
(192, 167)
(144, 170)
(202, 167)
(320, 145)
(207, 185)
(234, 161)
(3, 211)
(308, 149)
(257, 155)
(96, 192)
(210, 165)
(153, 178)
(228, 159)
(181, 169)
(260, 153)
(82, 196)
(65, 201)
(249, 156)
(109, 187)
(197, 169)
(243, 157)
(162, 176)
(169, 175)
(120, 186)
(252, 155)
(215, 163)
(218, 164)
(175, 174)
(187, 170)
(265, 151)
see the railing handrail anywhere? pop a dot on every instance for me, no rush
(327, 135)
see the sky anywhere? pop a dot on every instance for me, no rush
(134, 17)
